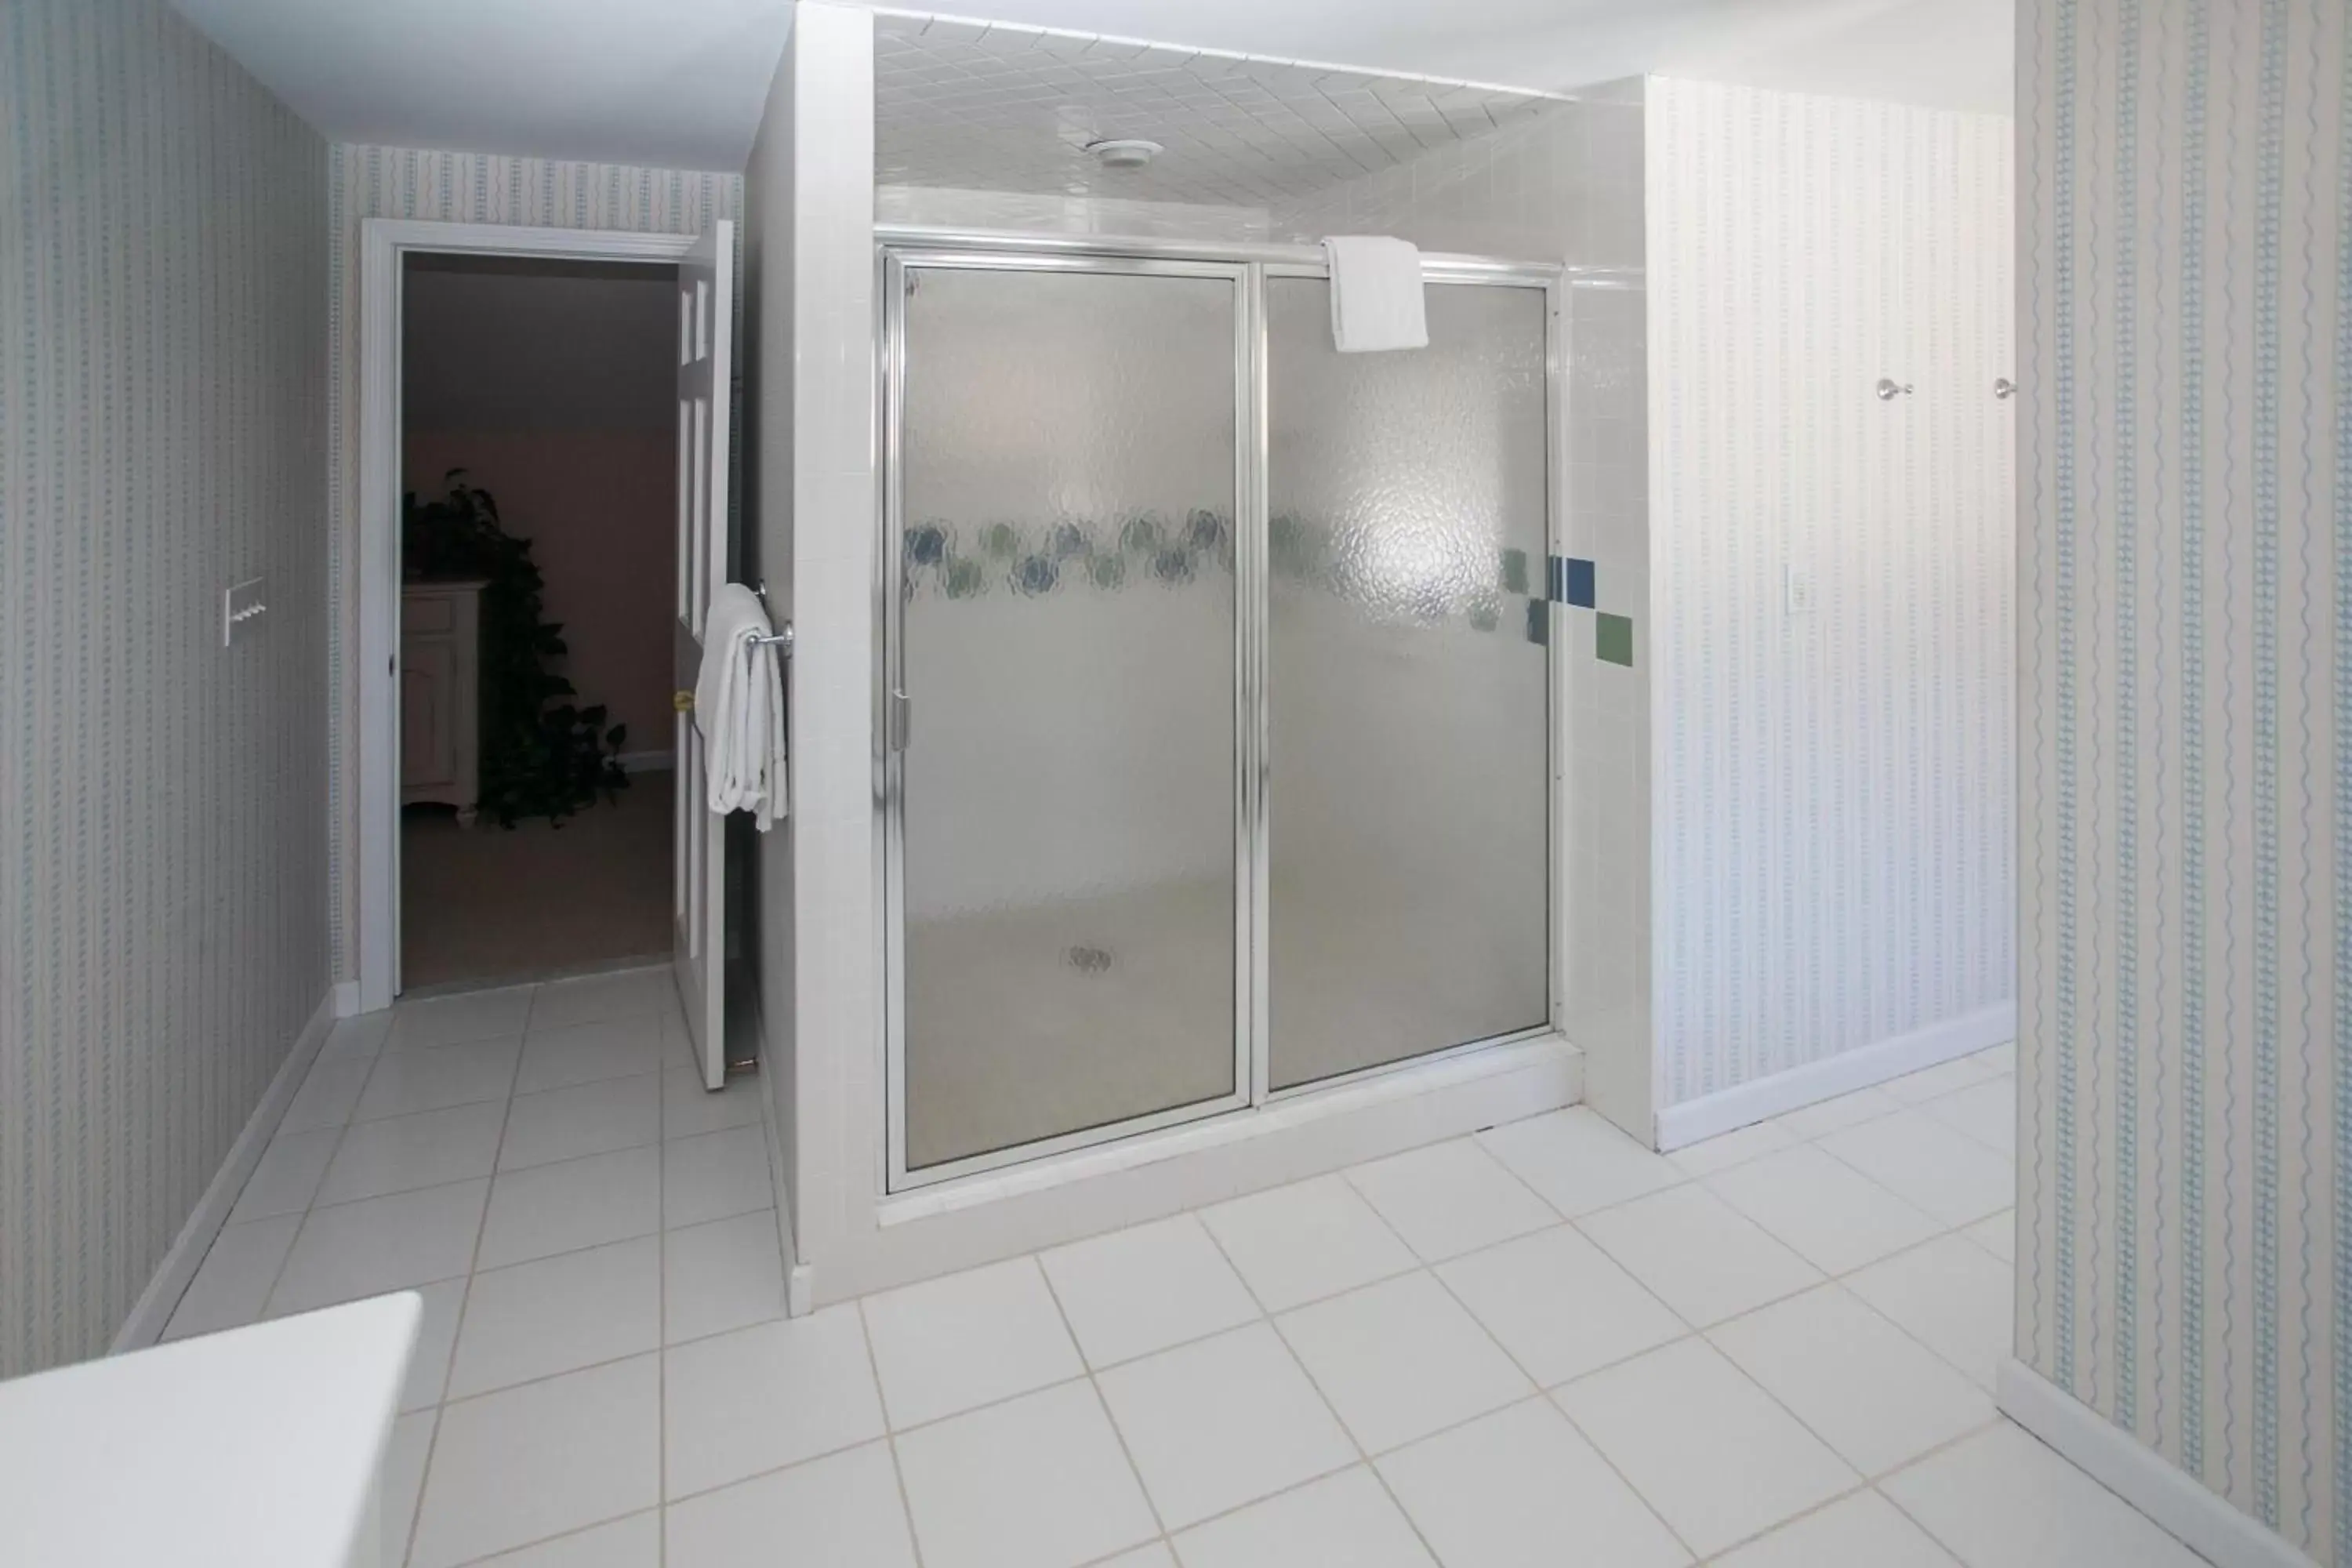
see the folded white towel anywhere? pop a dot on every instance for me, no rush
(1376, 300)
(739, 707)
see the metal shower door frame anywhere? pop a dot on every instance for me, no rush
(903, 249)
(1477, 271)
(899, 262)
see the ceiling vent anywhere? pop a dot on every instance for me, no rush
(1126, 152)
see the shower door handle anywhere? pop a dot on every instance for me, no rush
(899, 720)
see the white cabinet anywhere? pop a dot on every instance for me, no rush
(440, 695)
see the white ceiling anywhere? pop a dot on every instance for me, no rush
(670, 83)
(680, 82)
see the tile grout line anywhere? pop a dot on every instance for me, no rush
(661, 1315)
(1119, 1433)
(577, 1529)
(1545, 1397)
(496, 1171)
(481, 1225)
(1347, 1174)
(1870, 1484)
(889, 1435)
(1866, 1482)
(1362, 1454)
(342, 1131)
(1541, 1393)
(441, 1406)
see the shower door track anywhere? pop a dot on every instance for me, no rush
(899, 246)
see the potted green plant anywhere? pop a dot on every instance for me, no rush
(541, 753)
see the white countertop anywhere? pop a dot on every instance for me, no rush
(258, 1447)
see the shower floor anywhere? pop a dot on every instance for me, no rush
(1025, 1023)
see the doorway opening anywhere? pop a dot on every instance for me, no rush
(539, 462)
(708, 904)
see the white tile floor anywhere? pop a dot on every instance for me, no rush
(1541, 1345)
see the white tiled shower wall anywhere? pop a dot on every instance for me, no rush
(811, 199)
(1031, 213)
(1604, 822)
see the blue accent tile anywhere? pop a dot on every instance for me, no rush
(1579, 587)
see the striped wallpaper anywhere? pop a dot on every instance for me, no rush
(1832, 790)
(162, 830)
(2185, 485)
(456, 188)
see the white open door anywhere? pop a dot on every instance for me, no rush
(706, 314)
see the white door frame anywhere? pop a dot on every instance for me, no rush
(383, 243)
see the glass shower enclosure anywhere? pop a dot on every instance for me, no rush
(1216, 686)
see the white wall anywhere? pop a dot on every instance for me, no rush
(810, 266)
(163, 936)
(1832, 790)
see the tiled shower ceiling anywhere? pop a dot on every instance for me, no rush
(982, 106)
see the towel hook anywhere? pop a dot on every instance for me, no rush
(782, 637)
(1888, 390)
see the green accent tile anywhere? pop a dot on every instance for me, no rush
(1612, 638)
(1539, 622)
(1514, 570)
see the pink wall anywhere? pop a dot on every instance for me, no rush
(596, 506)
(552, 385)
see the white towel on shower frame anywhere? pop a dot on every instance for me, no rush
(738, 708)
(1376, 297)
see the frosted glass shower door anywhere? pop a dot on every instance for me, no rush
(1068, 863)
(1408, 678)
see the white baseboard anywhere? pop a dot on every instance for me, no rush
(800, 1291)
(1727, 1109)
(647, 761)
(152, 1310)
(347, 998)
(2116, 1460)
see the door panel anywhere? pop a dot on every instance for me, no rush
(428, 741)
(1067, 869)
(1408, 681)
(706, 316)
